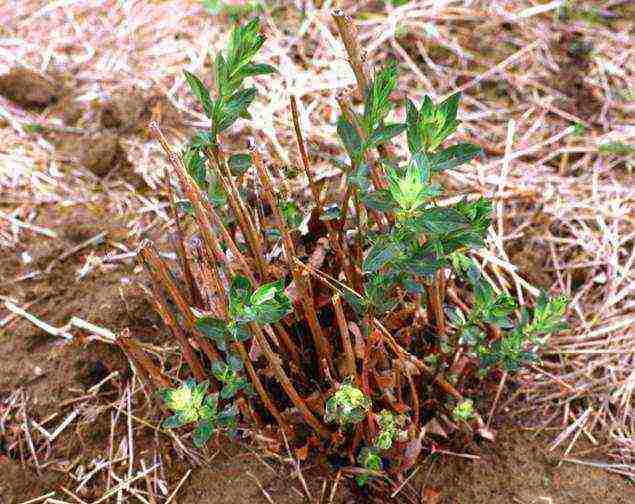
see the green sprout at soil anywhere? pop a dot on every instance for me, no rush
(259, 316)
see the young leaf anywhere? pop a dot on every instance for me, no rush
(377, 104)
(201, 93)
(449, 107)
(454, 156)
(214, 328)
(239, 163)
(349, 137)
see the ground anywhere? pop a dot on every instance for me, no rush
(77, 160)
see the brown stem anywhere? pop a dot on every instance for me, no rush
(288, 344)
(243, 217)
(203, 212)
(181, 251)
(142, 361)
(436, 296)
(415, 397)
(260, 389)
(215, 282)
(306, 296)
(169, 320)
(333, 235)
(356, 56)
(160, 273)
(285, 382)
(351, 366)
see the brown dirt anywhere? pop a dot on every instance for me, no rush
(29, 89)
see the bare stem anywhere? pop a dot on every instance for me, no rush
(351, 366)
(306, 297)
(285, 382)
(160, 273)
(356, 56)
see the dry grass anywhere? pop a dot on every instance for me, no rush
(529, 76)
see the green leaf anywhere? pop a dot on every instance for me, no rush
(360, 178)
(228, 417)
(222, 371)
(175, 421)
(221, 72)
(238, 332)
(377, 103)
(380, 200)
(235, 362)
(236, 105)
(272, 311)
(267, 292)
(441, 220)
(454, 156)
(449, 107)
(381, 253)
(253, 69)
(419, 167)
(384, 133)
(230, 389)
(195, 166)
(201, 93)
(349, 137)
(239, 163)
(244, 43)
(291, 213)
(202, 433)
(412, 120)
(214, 328)
(239, 293)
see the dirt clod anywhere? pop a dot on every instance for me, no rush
(101, 153)
(29, 89)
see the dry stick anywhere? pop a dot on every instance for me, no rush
(333, 235)
(156, 264)
(401, 352)
(288, 344)
(346, 340)
(436, 295)
(181, 252)
(244, 355)
(169, 320)
(203, 212)
(306, 296)
(240, 210)
(356, 57)
(125, 341)
(285, 382)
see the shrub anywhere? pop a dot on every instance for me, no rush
(371, 324)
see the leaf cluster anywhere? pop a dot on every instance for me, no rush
(191, 404)
(347, 406)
